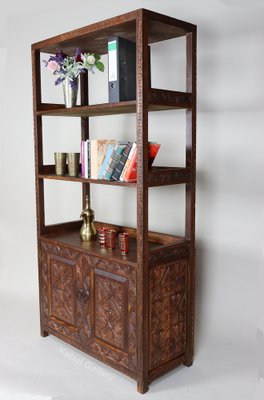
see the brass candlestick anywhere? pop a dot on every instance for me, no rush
(88, 230)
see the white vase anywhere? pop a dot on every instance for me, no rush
(70, 92)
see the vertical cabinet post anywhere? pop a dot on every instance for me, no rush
(38, 140)
(142, 200)
(190, 187)
(84, 126)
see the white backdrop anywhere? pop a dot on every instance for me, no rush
(229, 161)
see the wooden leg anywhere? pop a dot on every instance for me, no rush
(188, 362)
(142, 387)
(43, 333)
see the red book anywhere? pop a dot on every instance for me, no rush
(131, 172)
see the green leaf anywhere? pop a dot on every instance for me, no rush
(100, 66)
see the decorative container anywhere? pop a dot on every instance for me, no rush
(123, 242)
(70, 91)
(60, 163)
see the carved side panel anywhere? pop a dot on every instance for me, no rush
(110, 306)
(111, 322)
(167, 312)
(62, 288)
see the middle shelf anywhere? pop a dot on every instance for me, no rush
(158, 176)
(157, 99)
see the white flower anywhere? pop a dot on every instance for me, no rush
(91, 60)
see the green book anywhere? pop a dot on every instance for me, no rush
(114, 160)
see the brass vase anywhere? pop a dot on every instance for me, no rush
(88, 230)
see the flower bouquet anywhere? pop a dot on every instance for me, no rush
(68, 68)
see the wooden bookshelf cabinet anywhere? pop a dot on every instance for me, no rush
(135, 312)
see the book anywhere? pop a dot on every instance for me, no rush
(153, 151)
(106, 160)
(82, 159)
(86, 159)
(98, 149)
(118, 170)
(128, 161)
(114, 160)
(131, 171)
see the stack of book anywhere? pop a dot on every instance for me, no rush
(112, 160)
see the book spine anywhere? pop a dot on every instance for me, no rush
(88, 159)
(85, 159)
(118, 170)
(113, 162)
(131, 172)
(105, 162)
(128, 161)
(82, 157)
(109, 162)
(93, 159)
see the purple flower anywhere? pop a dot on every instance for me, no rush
(59, 80)
(77, 56)
(60, 56)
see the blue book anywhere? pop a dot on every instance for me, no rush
(105, 162)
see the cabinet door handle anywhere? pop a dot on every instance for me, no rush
(83, 295)
(86, 295)
(80, 294)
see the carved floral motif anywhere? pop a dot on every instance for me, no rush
(111, 310)
(61, 279)
(168, 307)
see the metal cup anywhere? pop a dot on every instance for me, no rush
(60, 163)
(73, 163)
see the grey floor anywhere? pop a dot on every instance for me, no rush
(34, 368)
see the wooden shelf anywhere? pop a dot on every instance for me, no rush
(96, 36)
(59, 110)
(159, 100)
(158, 176)
(159, 244)
(134, 312)
(80, 179)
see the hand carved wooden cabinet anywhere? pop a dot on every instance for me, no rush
(133, 312)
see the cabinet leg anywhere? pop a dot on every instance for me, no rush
(43, 333)
(142, 387)
(188, 362)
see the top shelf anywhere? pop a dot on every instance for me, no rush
(95, 36)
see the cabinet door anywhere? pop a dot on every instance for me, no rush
(111, 318)
(62, 294)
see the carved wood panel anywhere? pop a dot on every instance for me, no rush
(112, 319)
(111, 309)
(167, 312)
(62, 291)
